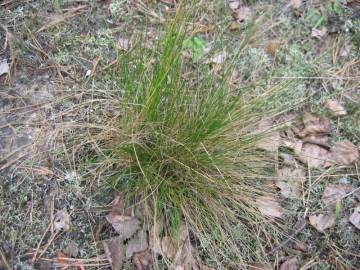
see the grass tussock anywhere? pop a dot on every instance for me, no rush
(186, 147)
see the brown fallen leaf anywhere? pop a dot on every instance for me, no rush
(126, 226)
(334, 193)
(185, 256)
(268, 206)
(233, 26)
(294, 4)
(335, 107)
(322, 222)
(270, 140)
(355, 217)
(345, 153)
(290, 182)
(313, 155)
(115, 252)
(345, 50)
(288, 159)
(243, 13)
(168, 247)
(299, 245)
(62, 221)
(319, 33)
(314, 125)
(322, 140)
(136, 244)
(143, 260)
(290, 264)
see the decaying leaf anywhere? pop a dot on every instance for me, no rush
(62, 221)
(335, 107)
(243, 13)
(115, 253)
(271, 139)
(334, 193)
(137, 244)
(288, 159)
(123, 43)
(355, 217)
(142, 260)
(290, 264)
(185, 255)
(345, 51)
(314, 125)
(126, 226)
(317, 139)
(4, 67)
(168, 247)
(345, 153)
(319, 33)
(268, 206)
(272, 47)
(154, 237)
(290, 181)
(299, 245)
(294, 4)
(313, 155)
(322, 222)
(234, 5)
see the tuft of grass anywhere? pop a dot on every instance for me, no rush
(184, 146)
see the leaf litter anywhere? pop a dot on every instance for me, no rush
(269, 206)
(335, 108)
(322, 222)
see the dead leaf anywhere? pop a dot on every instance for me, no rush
(290, 264)
(115, 253)
(345, 50)
(313, 155)
(218, 58)
(322, 222)
(123, 43)
(355, 217)
(345, 153)
(322, 140)
(154, 237)
(272, 47)
(234, 5)
(4, 67)
(314, 125)
(143, 259)
(168, 247)
(290, 181)
(268, 206)
(334, 193)
(271, 139)
(294, 4)
(335, 107)
(62, 221)
(299, 245)
(126, 226)
(71, 249)
(243, 13)
(233, 26)
(185, 256)
(136, 244)
(319, 33)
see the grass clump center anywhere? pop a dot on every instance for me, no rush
(185, 147)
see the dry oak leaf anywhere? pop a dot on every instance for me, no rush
(345, 153)
(334, 193)
(143, 259)
(290, 264)
(322, 140)
(243, 13)
(335, 108)
(290, 181)
(322, 222)
(313, 155)
(62, 221)
(355, 217)
(295, 4)
(115, 252)
(268, 206)
(319, 33)
(314, 125)
(136, 244)
(269, 140)
(126, 226)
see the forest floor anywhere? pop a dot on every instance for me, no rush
(56, 55)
